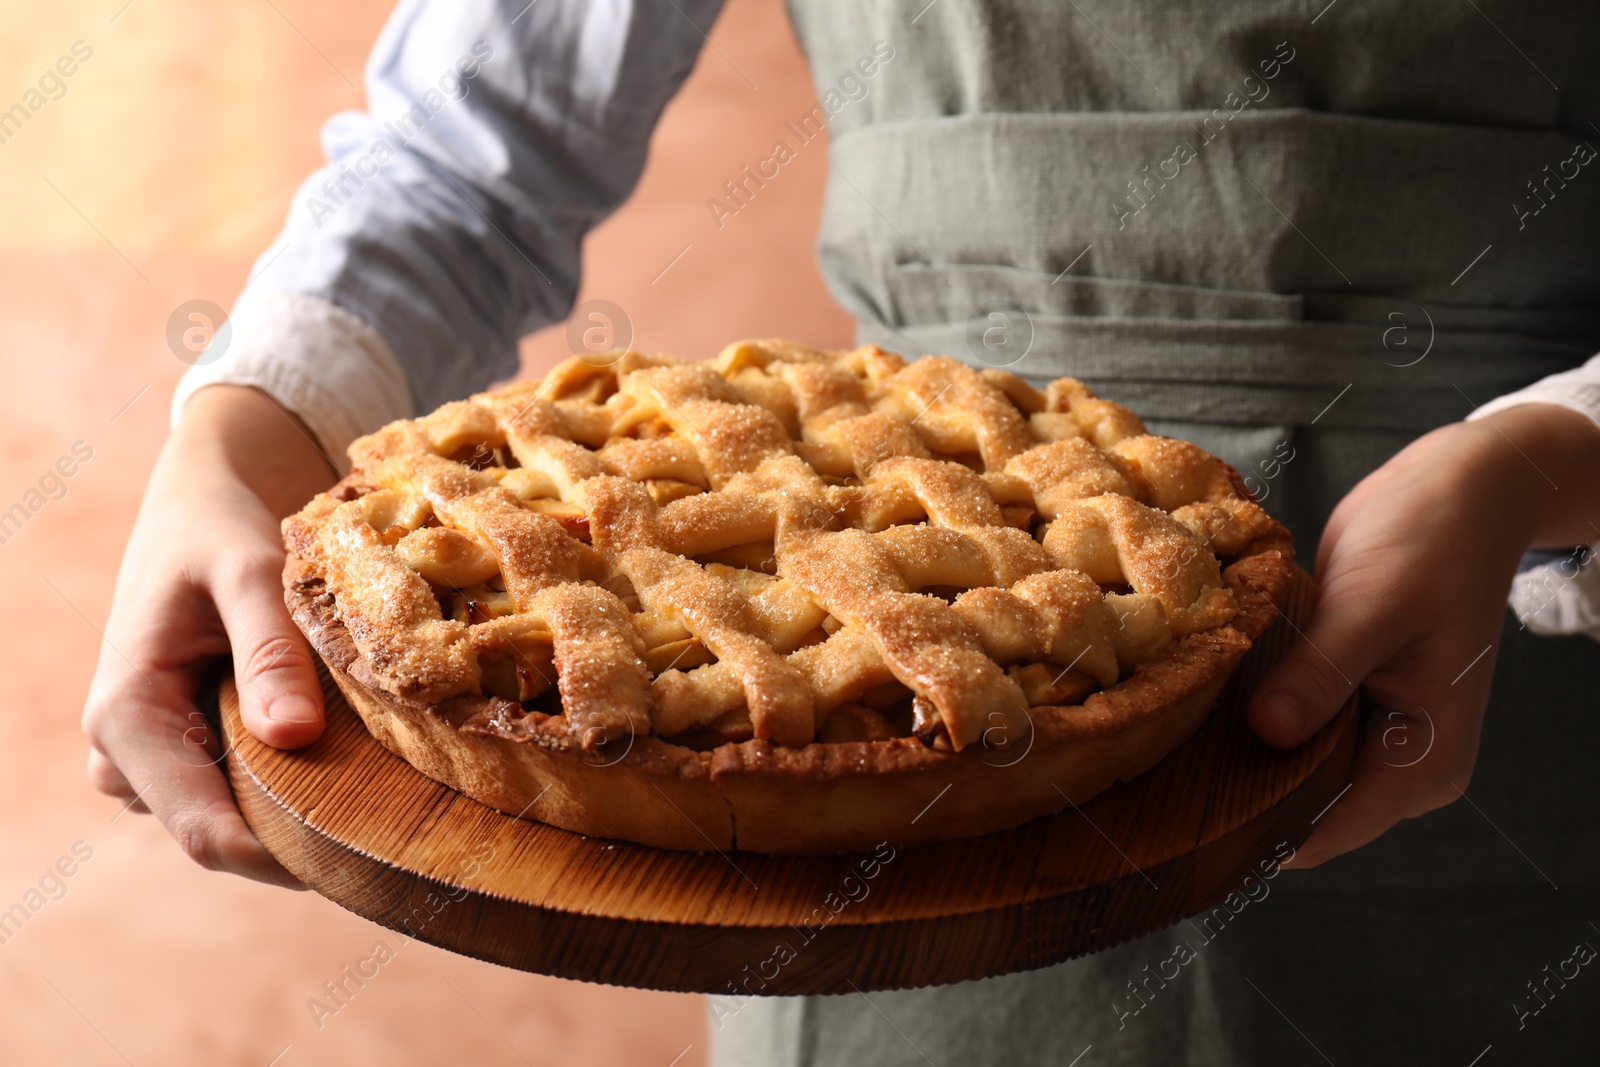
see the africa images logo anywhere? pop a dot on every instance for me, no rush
(852, 87)
(1142, 189)
(51, 86)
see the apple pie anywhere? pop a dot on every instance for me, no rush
(788, 600)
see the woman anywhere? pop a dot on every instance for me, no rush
(1282, 234)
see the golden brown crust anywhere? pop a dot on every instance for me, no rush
(524, 593)
(821, 797)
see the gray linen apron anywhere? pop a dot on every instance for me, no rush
(1300, 239)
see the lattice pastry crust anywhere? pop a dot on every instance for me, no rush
(793, 593)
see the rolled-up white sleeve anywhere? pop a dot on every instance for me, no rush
(316, 359)
(1577, 389)
(1558, 593)
(449, 218)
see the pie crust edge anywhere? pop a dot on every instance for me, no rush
(822, 797)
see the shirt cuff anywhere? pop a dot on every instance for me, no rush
(316, 359)
(1560, 595)
(1577, 389)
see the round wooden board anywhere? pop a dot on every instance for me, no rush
(364, 829)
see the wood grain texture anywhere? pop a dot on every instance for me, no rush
(364, 829)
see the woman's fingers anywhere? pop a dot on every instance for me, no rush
(1378, 798)
(198, 810)
(105, 777)
(1349, 635)
(1415, 563)
(183, 786)
(152, 746)
(202, 577)
(280, 699)
(1410, 763)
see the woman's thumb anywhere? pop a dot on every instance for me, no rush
(280, 698)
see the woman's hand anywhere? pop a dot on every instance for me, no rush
(1415, 566)
(201, 575)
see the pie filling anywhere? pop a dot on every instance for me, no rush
(787, 544)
